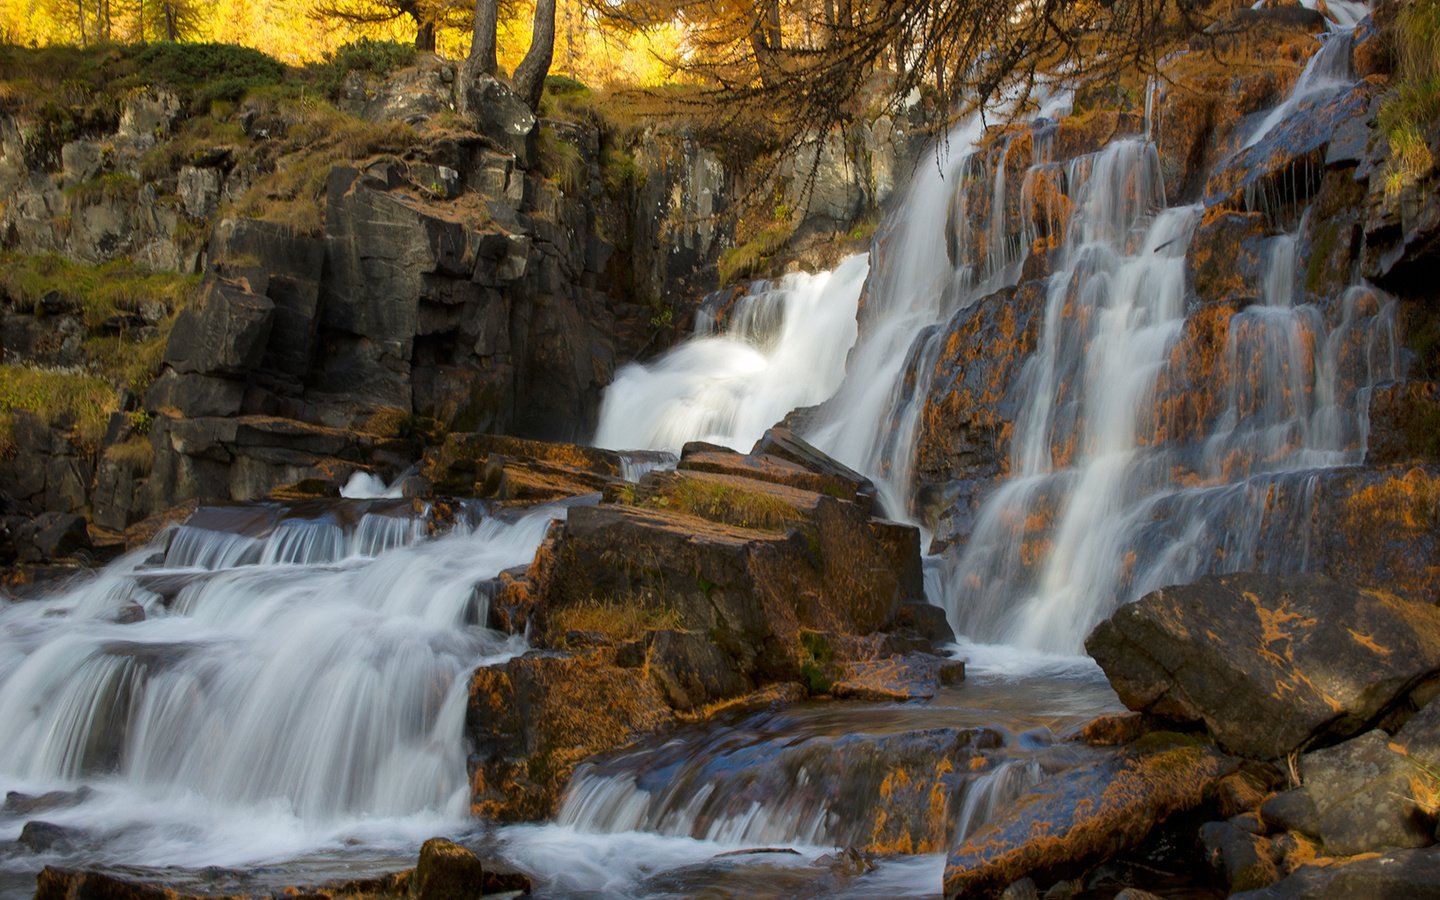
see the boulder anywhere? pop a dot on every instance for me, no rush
(502, 116)
(1411, 874)
(1268, 664)
(60, 535)
(72, 884)
(1363, 797)
(446, 871)
(1081, 816)
(1241, 859)
(532, 719)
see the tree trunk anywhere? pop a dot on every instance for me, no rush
(482, 43)
(425, 36)
(765, 40)
(530, 75)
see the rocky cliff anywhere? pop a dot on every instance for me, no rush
(351, 280)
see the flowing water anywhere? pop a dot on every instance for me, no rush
(260, 683)
(269, 695)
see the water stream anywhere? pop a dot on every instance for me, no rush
(281, 690)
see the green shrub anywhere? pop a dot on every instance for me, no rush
(205, 73)
(378, 58)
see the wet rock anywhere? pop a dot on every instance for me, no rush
(1412, 874)
(1240, 858)
(531, 720)
(45, 837)
(1404, 423)
(1246, 790)
(446, 871)
(1268, 664)
(71, 884)
(1081, 816)
(18, 804)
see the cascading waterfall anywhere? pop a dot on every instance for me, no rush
(301, 673)
(785, 348)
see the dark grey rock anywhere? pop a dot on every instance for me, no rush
(1398, 875)
(1362, 795)
(1267, 663)
(224, 334)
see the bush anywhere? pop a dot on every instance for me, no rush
(205, 73)
(1412, 110)
(378, 58)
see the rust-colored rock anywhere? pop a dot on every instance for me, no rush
(1267, 663)
(1404, 423)
(533, 719)
(459, 466)
(1082, 816)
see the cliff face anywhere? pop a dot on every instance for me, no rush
(424, 257)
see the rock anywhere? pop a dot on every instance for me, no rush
(1411, 874)
(196, 395)
(503, 116)
(1242, 859)
(18, 804)
(1246, 790)
(70, 884)
(533, 719)
(691, 670)
(913, 676)
(81, 161)
(60, 535)
(1267, 663)
(446, 871)
(44, 837)
(1083, 815)
(199, 191)
(1404, 423)
(462, 465)
(223, 335)
(1292, 810)
(1362, 790)
(761, 465)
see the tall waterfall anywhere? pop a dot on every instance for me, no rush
(258, 677)
(1101, 504)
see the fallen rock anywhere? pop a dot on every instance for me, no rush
(1081, 816)
(1268, 663)
(1240, 858)
(1411, 874)
(446, 871)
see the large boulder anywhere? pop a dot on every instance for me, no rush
(1411, 874)
(1084, 815)
(223, 335)
(1268, 664)
(532, 719)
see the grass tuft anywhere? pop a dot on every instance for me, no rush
(76, 401)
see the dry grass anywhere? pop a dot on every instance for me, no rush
(618, 620)
(116, 287)
(728, 503)
(137, 455)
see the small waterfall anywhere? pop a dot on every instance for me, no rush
(784, 347)
(1326, 72)
(306, 676)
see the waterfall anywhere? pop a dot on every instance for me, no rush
(295, 673)
(784, 348)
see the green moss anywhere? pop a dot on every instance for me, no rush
(816, 656)
(751, 257)
(1321, 253)
(562, 162)
(80, 402)
(116, 287)
(1412, 108)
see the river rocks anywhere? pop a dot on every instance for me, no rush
(1083, 815)
(70, 884)
(1268, 664)
(518, 470)
(531, 720)
(1363, 798)
(1413, 874)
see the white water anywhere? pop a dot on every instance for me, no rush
(785, 348)
(264, 707)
